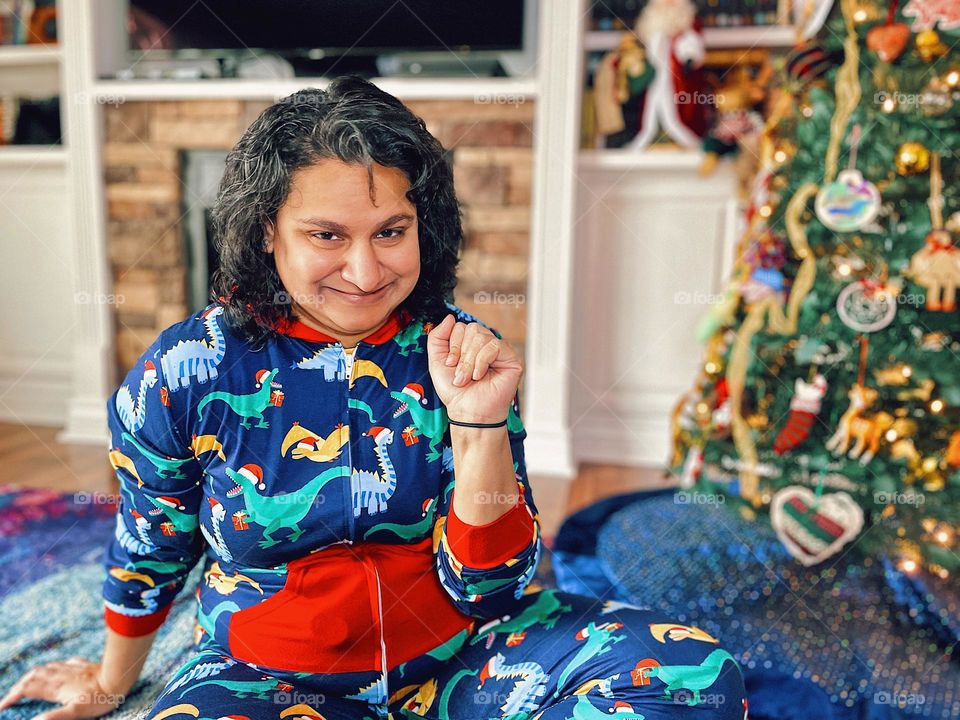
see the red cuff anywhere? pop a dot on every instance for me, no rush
(486, 546)
(134, 626)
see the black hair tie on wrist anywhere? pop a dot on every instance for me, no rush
(478, 425)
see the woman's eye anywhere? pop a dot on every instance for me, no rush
(391, 233)
(324, 235)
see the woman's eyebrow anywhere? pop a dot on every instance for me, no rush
(340, 228)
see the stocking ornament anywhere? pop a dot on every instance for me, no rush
(804, 408)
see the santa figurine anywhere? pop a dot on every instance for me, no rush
(676, 101)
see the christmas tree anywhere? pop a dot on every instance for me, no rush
(829, 399)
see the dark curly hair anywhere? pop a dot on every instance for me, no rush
(355, 122)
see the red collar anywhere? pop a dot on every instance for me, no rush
(397, 321)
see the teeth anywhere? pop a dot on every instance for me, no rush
(399, 410)
(234, 492)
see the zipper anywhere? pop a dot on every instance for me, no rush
(383, 644)
(348, 505)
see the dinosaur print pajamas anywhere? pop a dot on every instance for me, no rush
(315, 485)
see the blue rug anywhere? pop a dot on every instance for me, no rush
(51, 550)
(846, 640)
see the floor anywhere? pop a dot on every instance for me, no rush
(30, 456)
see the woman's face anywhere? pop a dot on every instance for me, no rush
(347, 257)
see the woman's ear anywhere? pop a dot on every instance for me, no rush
(269, 229)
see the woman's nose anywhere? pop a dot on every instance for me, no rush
(361, 267)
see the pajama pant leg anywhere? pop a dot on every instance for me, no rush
(565, 656)
(211, 685)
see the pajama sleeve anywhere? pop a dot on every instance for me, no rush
(157, 540)
(485, 568)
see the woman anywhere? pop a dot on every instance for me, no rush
(343, 449)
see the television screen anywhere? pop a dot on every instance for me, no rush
(344, 26)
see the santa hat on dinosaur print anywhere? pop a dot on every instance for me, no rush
(253, 473)
(261, 376)
(415, 390)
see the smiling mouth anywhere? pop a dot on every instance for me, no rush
(375, 292)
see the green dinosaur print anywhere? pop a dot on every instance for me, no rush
(164, 568)
(445, 651)
(443, 711)
(487, 586)
(182, 522)
(514, 423)
(281, 511)
(164, 465)
(597, 640)
(584, 710)
(545, 610)
(431, 423)
(260, 689)
(407, 532)
(361, 405)
(692, 677)
(409, 338)
(208, 622)
(248, 407)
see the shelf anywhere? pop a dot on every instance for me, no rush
(15, 55)
(666, 158)
(773, 36)
(32, 155)
(482, 89)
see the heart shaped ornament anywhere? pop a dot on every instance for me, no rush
(888, 41)
(814, 529)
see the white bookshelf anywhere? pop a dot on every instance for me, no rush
(405, 88)
(29, 156)
(772, 36)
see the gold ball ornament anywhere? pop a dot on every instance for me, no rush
(929, 46)
(912, 158)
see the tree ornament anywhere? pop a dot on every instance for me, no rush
(804, 407)
(854, 425)
(936, 98)
(889, 40)
(849, 202)
(929, 46)
(867, 306)
(953, 450)
(927, 13)
(912, 158)
(864, 431)
(814, 527)
(936, 266)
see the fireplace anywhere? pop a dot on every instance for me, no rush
(202, 170)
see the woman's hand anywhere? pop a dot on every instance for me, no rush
(73, 684)
(475, 374)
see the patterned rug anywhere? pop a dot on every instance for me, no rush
(846, 640)
(51, 549)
